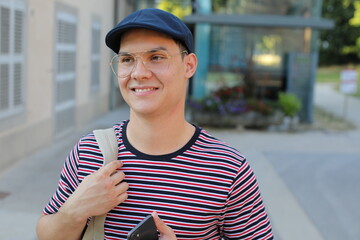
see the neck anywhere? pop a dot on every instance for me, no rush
(158, 135)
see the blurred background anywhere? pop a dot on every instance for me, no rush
(278, 79)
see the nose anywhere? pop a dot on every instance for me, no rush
(140, 70)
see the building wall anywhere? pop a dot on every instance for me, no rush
(34, 126)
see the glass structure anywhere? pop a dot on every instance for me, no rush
(251, 43)
(274, 7)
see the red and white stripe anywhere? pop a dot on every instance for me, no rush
(205, 191)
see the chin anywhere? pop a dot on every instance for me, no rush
(143, 110)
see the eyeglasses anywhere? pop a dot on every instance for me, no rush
(156, 61)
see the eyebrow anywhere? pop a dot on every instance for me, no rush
(151, 50)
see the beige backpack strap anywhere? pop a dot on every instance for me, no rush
(108, 145)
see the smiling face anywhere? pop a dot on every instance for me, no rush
(154, 86)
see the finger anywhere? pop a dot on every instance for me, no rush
(121, 198)
(110, 168)
(117, 177)
(121, 188)
(161, 226)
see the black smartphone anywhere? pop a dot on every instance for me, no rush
(145, 230)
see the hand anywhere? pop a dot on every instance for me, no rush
(166, 233)
(98, 193)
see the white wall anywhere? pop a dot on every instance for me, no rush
(24, 133)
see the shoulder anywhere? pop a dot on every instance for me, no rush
(88, 142)
(89, 153)
(219, 150)
(211, 143)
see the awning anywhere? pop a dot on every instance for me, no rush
(260, 20)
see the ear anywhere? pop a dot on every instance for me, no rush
(191, 63)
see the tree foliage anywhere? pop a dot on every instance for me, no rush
(176, 7)
(341, 45)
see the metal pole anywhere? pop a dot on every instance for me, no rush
(346, 100)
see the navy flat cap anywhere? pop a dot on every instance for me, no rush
(153, 19)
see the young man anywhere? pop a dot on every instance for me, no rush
(199, 186)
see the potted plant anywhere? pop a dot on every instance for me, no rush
(230, 107)
(290, 105)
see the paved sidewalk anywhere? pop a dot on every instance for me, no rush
(309, 180)
(339, 104)
(32, 181)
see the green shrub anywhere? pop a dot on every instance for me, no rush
(289, 104)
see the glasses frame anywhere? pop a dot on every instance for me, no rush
(112, 63)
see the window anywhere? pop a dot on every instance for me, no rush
(277, 7)
(65, 74)
(12, 57)
(95, 54)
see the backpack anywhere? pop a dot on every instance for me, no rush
(108, 145)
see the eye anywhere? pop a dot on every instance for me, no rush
(157, 57)
(126, 59)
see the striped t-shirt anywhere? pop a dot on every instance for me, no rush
(205, 190)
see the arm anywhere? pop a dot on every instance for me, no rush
(245, 215)
(59, 226)
(97, 194)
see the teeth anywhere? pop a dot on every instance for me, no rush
(143, 89)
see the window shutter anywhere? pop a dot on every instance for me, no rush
(4, 50)
(95, 54)
(19, 63)
(18, 85)
(4, 86)
(18, 32)
(5, 30)
(12, 59)
(65, 75)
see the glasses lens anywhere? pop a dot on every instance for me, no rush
(122, 66)
(114, 64)
(156, 61)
